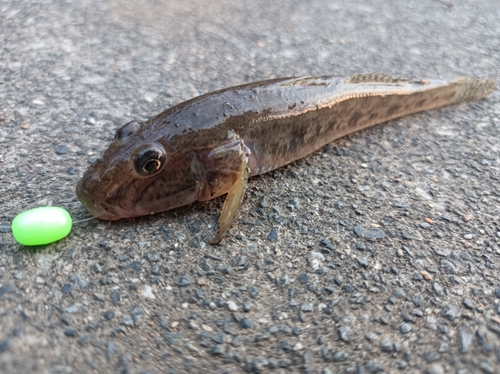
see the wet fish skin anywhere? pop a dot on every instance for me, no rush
(209, 146)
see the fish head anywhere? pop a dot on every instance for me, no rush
(140, 173)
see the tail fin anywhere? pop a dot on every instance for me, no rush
(472, 89)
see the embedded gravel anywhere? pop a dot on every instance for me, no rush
(378, 253)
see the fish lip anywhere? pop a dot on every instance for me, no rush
(96, 208)
(108, 217)
(98, 211)
(100, 208)
(107, 212)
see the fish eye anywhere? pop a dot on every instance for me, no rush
(127, 130)
(149, 161)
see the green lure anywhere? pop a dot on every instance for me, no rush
(40, 226)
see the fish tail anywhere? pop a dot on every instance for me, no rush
(472, 89)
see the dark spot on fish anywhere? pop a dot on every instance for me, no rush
(420, 103)
(393, 109)
(450, 96)
(299, 133)
(353, 121)
(292, 107)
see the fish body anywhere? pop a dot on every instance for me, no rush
(210, 145)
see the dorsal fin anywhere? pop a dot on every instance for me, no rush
(380, 78)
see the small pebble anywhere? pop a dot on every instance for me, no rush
(306, 307)
(84, 339)
(346, 333)
(273, 235)
(90, 121)
(128, 321)
(217, 349)
(363, 261)
(247, 306)
(246, 323)
(115, 297)
(75, 308)
(231, 305)
(405, 328)
(358, 230)
(183, 282)
(66, 318)
(486, 367)
(402, 365)
(374, 234)
(339, 356)
(435, 369)
(61, 149)
(437, 288)
(386, 346)
(426, 275)
(147, 292)
(468, 304)
(70, 332)
(465, 337)
(431, 356)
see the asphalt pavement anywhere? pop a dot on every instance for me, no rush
(378, 253)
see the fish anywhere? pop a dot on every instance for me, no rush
(210, 145)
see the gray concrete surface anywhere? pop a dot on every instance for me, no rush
(301, 285)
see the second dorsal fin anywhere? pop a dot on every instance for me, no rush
(380, 78)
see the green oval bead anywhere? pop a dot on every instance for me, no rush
(41, 226)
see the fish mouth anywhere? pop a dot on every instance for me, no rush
(87, 191)
(107, 212)
(103, 210)
(100, 209)
(95, 201)
(95, 207)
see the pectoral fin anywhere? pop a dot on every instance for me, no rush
(232, 203)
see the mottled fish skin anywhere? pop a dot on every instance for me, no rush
(209, 146)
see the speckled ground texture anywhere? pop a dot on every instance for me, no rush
(378, 253)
